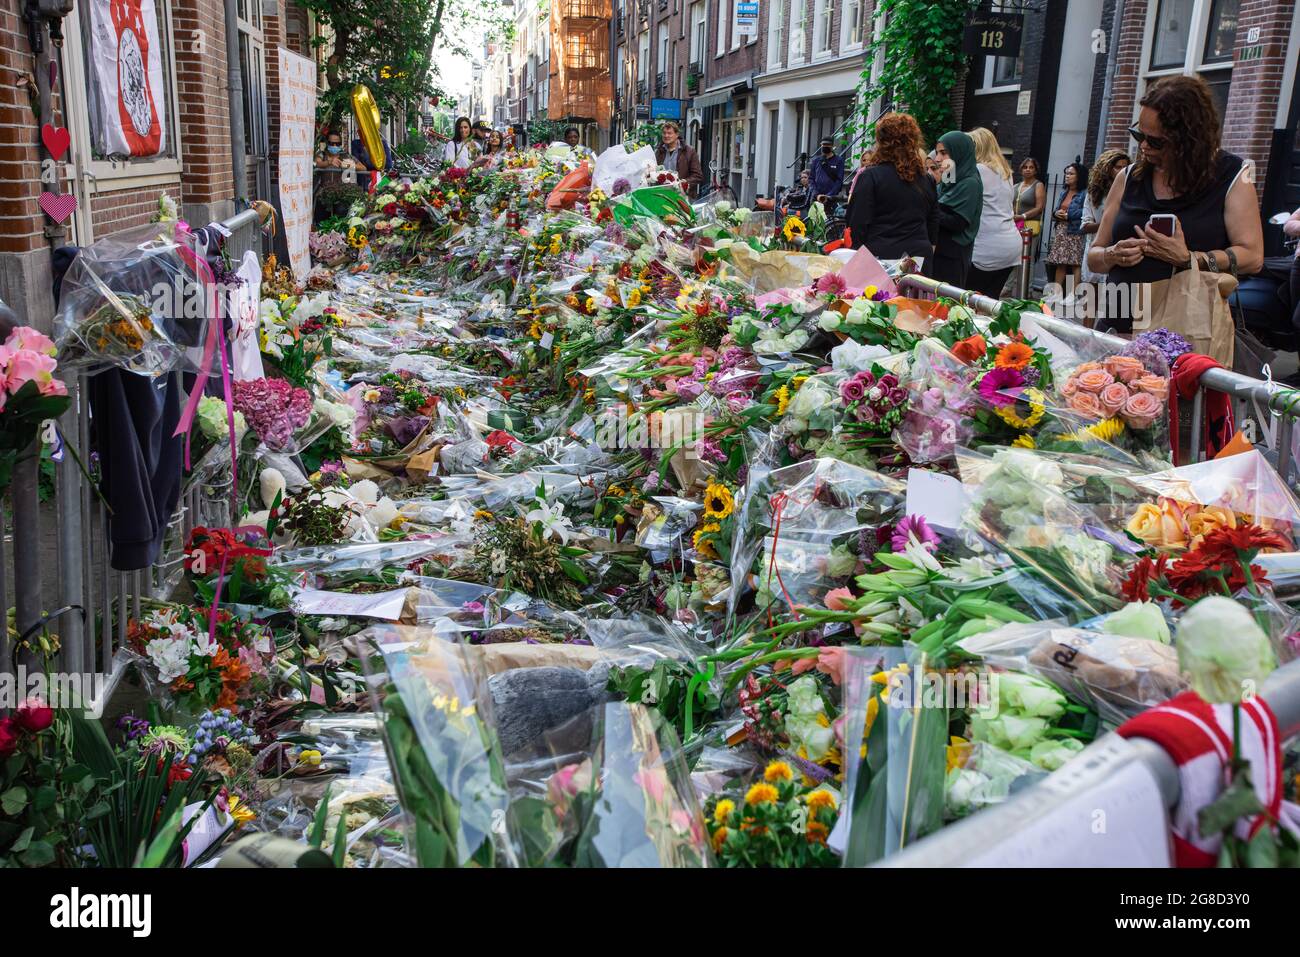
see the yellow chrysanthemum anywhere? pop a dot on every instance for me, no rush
(793, 227)
(632, 298)
(777, 771)
(1024, 441)
(719, 838)
(819, 799)
(817, 832)
(723, 810)
(240, 812)
(718, 501)
(591, 304)
(761, 793)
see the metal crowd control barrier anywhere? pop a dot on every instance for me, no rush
(1257, 405)
(1044, 824)
(89, 604)
(1039, 824)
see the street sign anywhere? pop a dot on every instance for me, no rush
(992, 34)
(665, 109)
(747, 19)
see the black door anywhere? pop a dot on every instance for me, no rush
(1283, 192)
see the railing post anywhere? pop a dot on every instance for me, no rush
(1026, 261)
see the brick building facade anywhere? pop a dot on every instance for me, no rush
(194, 166)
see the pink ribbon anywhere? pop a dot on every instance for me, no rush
(216, 341)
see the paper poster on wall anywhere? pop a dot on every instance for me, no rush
(126, 63)
(297, 125)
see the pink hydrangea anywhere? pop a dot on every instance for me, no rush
(274, 409)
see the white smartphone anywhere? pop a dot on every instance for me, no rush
(1164, 223)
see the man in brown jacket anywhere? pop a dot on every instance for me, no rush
(676, 157)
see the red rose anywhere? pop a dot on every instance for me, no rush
(34, 715)
(8, 737)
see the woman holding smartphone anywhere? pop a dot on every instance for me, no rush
(1182, 173)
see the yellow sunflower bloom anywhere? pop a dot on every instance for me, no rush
(794, 226)
(718, 501)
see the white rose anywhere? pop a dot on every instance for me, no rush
(1223, 650)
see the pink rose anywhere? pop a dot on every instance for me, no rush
(837, 599)
(25, 337)
(1124, 368)
(1141, 410)
(1069, 388)
(1087, 404)
(28, 366)
(1113, 397)
(1156, 386)
(1087, 367)
(1094, 380)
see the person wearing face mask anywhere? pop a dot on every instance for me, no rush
(1180, 171)
(961, 200)
(826, 172)
(330, 153)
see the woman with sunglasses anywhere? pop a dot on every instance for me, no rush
(1180, 170)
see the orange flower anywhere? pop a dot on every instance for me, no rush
(1014, 355)
(970, 349)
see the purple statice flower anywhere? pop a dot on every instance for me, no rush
(731, 357)
(1032, 374)
(720, 385)
(1170, 344)
(651, 483)
(913, 525)
(614, 233)
(621, 186)
(742, 473)
(808, 769)
(995, 382)
(708, 450)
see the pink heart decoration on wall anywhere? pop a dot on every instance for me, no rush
(56, 140)
(58, 206)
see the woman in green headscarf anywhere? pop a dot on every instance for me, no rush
(961, 197)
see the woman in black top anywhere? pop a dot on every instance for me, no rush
(1180, 170)
(893, 210)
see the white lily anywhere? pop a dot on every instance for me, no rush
(551, 517)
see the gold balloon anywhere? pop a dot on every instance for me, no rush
(367, 113)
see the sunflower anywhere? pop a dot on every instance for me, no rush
(819, 799)
(1107, 429)
(1032, 402)
(761, 793)
(723, 810)
(1014, 355)
(777, 771)
(718, 501)
(794, 227)
(782, 396)
(702, 543)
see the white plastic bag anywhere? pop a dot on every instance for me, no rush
(616, 163)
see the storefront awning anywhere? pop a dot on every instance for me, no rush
(712, 99)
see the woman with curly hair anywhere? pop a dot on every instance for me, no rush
(1100, 178)
(893, 209)
(1182, 171)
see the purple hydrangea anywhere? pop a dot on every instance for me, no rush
(1170, 344)
(621, 186)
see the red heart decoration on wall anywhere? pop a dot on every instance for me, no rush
(58, 206)
(56, 140)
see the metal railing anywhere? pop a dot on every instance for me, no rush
(92, 603)
(1254, 401)
(1046, 823)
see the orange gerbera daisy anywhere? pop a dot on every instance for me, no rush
(1014, 355)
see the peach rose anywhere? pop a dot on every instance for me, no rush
(1094, 380)
(1141, 410)
(1209, 520)
(1087, 367)
(1154, 385)
(1145, 524)
(1162, 524)
(1113, 397)
(1069, 388)
(1124, 368)
(1086, 403)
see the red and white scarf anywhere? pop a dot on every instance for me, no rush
(1198, 737)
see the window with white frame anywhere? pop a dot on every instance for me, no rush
(643, 56)
(731, 15)
(775, 31)
(663, 66)
(152, 127)
(822, 20)
(698, 32)
(1196, 38)
(722, 30)
(851, 25)
(798, 30)
(1001, 74)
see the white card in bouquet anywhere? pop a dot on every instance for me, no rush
(386, 606)
(940, 499)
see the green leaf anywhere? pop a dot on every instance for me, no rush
(340, 848)
(1262, 851)
(1236, 802)
(39, 854)
(573, 570)
(22, 841)
(14, 800)
(161, 846)
(317, 837)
